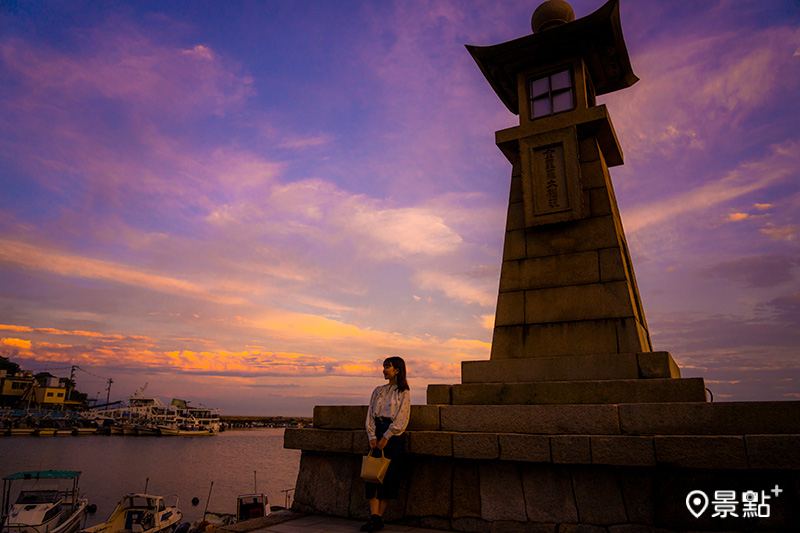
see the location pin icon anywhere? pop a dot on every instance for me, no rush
(697, 502)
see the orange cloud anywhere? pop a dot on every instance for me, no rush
(17, 343)
(71, 265)
(786, 233)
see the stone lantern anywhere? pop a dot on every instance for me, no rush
(568, 307)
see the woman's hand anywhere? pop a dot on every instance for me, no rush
(383, 442)
(373, 443)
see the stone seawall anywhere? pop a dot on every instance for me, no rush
(626, 467)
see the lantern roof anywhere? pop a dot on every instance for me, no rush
(597, 38)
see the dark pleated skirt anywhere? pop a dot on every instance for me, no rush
(394, 450)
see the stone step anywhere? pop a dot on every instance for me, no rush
(693, 418)
(571, 368)
(571, 392)
(780, 451)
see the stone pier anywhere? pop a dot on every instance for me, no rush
(575, 423)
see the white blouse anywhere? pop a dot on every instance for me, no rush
(387, 401)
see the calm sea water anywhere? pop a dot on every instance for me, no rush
(113, 466)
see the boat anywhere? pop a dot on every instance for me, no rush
(148, 416)
(141, 513)
(43, 505)
(185, 430)
(248, 507)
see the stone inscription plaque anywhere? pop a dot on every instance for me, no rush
(551, 177)
(550, 194)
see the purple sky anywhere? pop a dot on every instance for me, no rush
(251, 204)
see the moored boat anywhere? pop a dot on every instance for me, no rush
(142, 513)
(43, 506)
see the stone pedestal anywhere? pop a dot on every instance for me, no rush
(604, 468)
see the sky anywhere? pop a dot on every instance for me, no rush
(251, 204)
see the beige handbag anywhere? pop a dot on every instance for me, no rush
(373, 469)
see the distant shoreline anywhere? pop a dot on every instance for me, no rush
(273, 421)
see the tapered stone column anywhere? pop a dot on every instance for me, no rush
(569, 326)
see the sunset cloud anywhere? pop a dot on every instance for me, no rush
(263, 216)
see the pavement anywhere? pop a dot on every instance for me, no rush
(292, 522)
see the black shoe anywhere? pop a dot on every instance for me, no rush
(377, 522)
(368, 526)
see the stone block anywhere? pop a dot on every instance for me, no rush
(580, 528)
(548, 494)
(549, 340)
(340, 416)
(720, 418)
(559, 270)
(600, 202)
(475, 446)
(323, 483)
(623, 450)
(638, 494)
(514, 245)
(773, 451)
(466, 490)
(701, 451)
(528, 448)
(593, 301)
(510, 309)
(574, 449)
(632, 336)
(438, 443)
(510, 276)
(430, 488)
(319, 440)
(588, 151)
(508, 526)
(424, 418)
(507, 342)
(563, 368)
(470, 525)
(570, 237)
(532, 419)
(516, 216)
(598, 495)
(580, 392)
(657, 365)
(612, 265)
(361, 442)
(434, 524)
(439, 394)
(359, 506)
(637, 528)
(501, 493)
(515, 190)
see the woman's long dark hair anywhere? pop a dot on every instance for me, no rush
(400, 366)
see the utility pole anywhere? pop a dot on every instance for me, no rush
(108, 390)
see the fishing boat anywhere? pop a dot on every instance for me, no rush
(248, 507)
(43, 504)
(148, 416)
(141, 513)
(185, 430)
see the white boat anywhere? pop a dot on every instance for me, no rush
(43, 504)
(248, 507)
(148, 416)
(140, 513)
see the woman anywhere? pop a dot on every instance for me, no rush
(387, 418)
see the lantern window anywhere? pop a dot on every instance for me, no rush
(552, 94)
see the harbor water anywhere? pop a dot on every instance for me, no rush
(113, 466)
